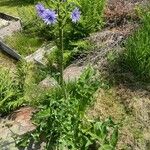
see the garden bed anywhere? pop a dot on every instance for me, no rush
(120, 95)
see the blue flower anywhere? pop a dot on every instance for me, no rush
(75, 15)
(40, 9)
(49, 16)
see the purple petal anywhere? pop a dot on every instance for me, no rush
(75, 15)
(49, 16)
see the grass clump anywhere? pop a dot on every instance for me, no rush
(137, 54)
(10, 95)
(18, 88)
(92, 15)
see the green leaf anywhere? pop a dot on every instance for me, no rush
(44, 114)
(114, 137)
(106, 147)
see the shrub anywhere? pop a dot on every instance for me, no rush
(137, 55)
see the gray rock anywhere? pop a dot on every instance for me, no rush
(9, 51)
(48, 83)
(3, 23)
(39, 55)
(10, 29)
(72, 72)
(18, 123)
(8, 25)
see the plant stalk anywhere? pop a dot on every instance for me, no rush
(61, 49)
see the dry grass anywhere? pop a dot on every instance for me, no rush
(131, 109)
(106, 102)
(6, 61)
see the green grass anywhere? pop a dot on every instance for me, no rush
(23, 43)
(137, 55)
(11, 6)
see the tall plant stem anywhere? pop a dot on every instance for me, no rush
(61, 49)
(61, 56)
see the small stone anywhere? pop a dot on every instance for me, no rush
(48, 83)
(39, 55)
(8, 30)
(36, 55)
(72, 73)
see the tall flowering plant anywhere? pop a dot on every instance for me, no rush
(59, 12)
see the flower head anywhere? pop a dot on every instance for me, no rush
(40, 9)
(49, 16)
(75, 15)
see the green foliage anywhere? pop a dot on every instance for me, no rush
(10, 95)
(18, 88)
(81, 47)
(137, 55)
(92, 17)
(77, 49)
(61, 121)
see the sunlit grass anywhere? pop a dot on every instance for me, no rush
(11, 6)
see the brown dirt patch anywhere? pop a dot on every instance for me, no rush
(119, 12)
